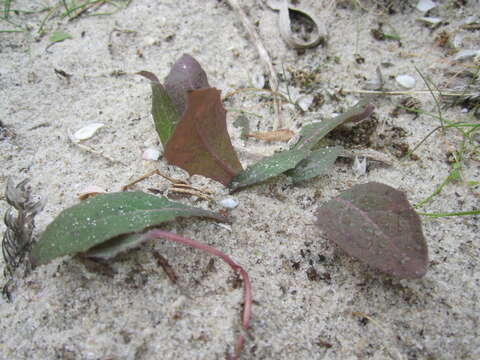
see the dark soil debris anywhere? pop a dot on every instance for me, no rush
(358, 135)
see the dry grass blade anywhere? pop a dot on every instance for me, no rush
(150, 174)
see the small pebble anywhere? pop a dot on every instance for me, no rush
(151, 154)
(229, 203)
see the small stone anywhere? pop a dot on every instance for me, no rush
(150, 154)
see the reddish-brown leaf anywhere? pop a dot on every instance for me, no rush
(185, 75)
(376, 224)
(200, 143)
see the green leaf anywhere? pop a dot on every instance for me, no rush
(312, 133)
(165, 116)
(268, 167)
(104, 217)
(59, 36)
(317, 163)
(115, 246)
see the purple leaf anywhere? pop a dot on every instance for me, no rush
(185, 75)
(200, 143)
(375, 223)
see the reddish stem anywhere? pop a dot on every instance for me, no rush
(247, 286)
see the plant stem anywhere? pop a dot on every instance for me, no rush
(247, 286)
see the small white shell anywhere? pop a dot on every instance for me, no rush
(225, 226)
(430, 20)
(151, 154)
(406, 81)
(360, 165)
(466, 54)
(87, 131)
(305, 101)
(425, 5)
(229, 203)
(258, 79)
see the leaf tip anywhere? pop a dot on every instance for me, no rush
(149, 75)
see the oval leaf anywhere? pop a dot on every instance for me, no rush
(268, 167)
(165, 115)
(200, 144)
(375, 223)
(103, 217)
(317, 163)
(185, 75)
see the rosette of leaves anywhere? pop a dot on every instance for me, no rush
(191, 123)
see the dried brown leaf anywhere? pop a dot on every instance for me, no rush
(276, 135)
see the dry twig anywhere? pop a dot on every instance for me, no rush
(264, 56)
(178, 186)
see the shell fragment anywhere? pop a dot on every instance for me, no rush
(87, 131)
(406, 81)
(425, 5)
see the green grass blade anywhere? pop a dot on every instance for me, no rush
(457, 213)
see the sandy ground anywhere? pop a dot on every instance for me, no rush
(349, 311)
